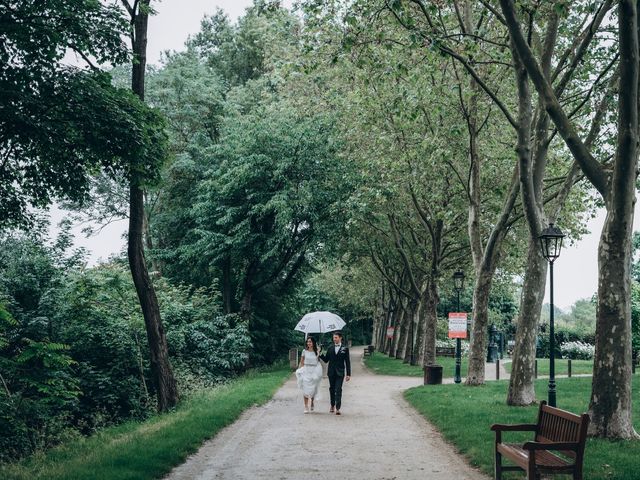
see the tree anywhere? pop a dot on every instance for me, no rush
(60, 124)
(271, 199)
(166, 387)
(610, 405)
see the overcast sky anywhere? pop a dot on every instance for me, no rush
(575, 271)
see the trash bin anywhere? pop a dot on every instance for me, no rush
(433, 374)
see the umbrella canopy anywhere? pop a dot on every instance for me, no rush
(320, 322)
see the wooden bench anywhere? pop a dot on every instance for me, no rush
(558, 446)
(445, 351)
(368, 350)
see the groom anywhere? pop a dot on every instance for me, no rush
(337, 357)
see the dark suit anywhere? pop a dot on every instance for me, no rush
(339, 364)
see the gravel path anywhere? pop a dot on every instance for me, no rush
(379, 436)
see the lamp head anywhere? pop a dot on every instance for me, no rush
(458, 280)
(551, 242)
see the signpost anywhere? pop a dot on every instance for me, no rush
(457, 330)
(457, 325)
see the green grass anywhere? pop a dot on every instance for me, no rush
(464, 415)
(150, 449)
(578, 367)
(384, 365)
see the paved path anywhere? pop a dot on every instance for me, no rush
(379, 436)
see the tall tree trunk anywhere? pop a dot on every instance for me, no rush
(482, 287)
(431, 320)
(610, 405)
(531, 167)
(413, 334)
(246, 304)
(227, 293)
(399, 320)
(248, 290)
(399, 332)
(403, 340)
(164, 381)
(478, 345)
(521, 382)
(420, 335)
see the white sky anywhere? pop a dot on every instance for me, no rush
(575, 272)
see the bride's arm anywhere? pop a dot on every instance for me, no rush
(301, 360)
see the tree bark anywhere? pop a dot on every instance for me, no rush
(431, 319)
(531, 166)
(482, 287)
(164, 381)
(521, 383)
(404, 334)
(420, 335)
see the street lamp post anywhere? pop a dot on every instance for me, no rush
(458, 285)
(551, 243)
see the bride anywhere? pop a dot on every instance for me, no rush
(309, 374)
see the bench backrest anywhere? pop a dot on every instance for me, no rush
(557, 425)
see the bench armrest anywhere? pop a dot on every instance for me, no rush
(551, 446)
(517, 427)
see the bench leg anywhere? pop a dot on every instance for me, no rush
(531, 471)
(498, 469)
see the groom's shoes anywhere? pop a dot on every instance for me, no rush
(332, 409)
(338, 412)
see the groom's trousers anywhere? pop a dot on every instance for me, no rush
(335, 390)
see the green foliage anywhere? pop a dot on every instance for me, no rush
(58, 124)
(155, 446)
(73, 350)
(244, 51)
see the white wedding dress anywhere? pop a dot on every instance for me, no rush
(309, 375)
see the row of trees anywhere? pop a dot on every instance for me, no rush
(435, 97)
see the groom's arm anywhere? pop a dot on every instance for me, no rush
(324, 357)
(347, 362)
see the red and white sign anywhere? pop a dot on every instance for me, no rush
(457, 325)
(390, 332)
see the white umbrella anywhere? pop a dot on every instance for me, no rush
(320, 322)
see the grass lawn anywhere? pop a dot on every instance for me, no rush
(384, 365)
(150, 449)
(464, 415)
(578, 367)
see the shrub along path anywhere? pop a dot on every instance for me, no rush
(379, 436)
(148, 450)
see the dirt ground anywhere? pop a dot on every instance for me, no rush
(379, 436)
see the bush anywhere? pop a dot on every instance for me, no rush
(563, 335)
(73, 348)
(451, 342)
(577, 350)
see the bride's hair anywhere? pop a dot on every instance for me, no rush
(313, 343)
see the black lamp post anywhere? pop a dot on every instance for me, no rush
(458, 285)
(551, 243)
